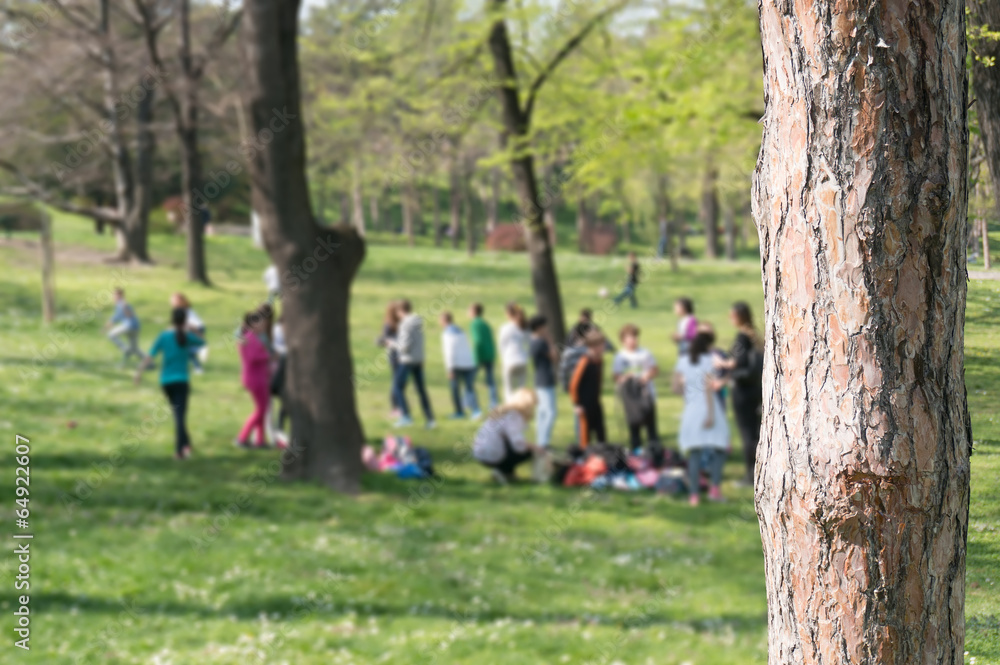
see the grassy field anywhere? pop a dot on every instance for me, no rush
(140, 559)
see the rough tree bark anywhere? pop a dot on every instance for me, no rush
(986, 86)
(862, 480)
(318, 264)
(709, 212)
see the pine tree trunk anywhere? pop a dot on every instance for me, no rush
(709, 214)
(986, 86)
(516, 123)
(319, 263)
(862, 480)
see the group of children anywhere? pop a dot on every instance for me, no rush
(260, 340)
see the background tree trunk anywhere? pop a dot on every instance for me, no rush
(493, 209)
(187, 131)
(373, 212)
(986, 86)
(729, 222)
(709, 213)
(862, 483)
(436, 213)
(582, 225)
(468, 211)
(326, 430)
(664, 214)
(455, 193)
(357, 200)
(544, 281)
(406, 199)
(48, 268)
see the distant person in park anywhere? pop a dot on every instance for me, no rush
(687, 324)
(279, 358)
(513, 338)
(273, 281)
(410, 345)
(634, 370)
(544, 359)
(255, 355)
(123, 328)
(585, 390)
(500, 442)
(176, 345)
(746, 369)
(584, 325)
(460, 363)
(194, 325)
(632, 271)
(484, 349)
(704, 433)
(387, 340)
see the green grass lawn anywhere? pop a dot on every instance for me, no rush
(140, 559)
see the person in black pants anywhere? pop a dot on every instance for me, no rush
(631, 282)
(585, 390)
(746, 367)
(177, 346)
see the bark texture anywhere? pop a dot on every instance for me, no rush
(317, 263)
(862, 482)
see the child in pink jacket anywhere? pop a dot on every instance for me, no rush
(255, 355)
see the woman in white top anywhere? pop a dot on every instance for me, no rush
(514, 340)
(500, 444)
(704, 433)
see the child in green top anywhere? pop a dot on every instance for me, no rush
(483, 348)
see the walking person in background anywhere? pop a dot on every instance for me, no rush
(255, 355)
(687, 325)
(632, 270)
(124, 323)
(513, 339)
(461, 367)
(500, 442)
(746, 369)
(410, 345)
(483, 349)
(544, 358)
(194, 325)
(390, 332)
(704, 433)
(176, 346)
(634, 370)
(585, 390)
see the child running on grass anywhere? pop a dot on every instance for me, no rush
(176, 346)
(124, 323)
(255, 355)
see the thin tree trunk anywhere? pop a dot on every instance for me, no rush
(862, 482)
(709, 214)
(373, 212)
(48, 270)
(664, 214)
(729, 222)
(121, 168)
(455, 194)
(345, 208)
(436, 213)
(357, 200)
(319, 390)
(544, 280)
(493, 209)
(468, 212)
(187, 130)
(406, 199)
(582, 225)
(986, 86)
(986, 242)
(136, 225)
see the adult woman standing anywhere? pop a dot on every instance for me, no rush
(746, 367)
(255, 354)
(176, 345)
(390, 331)
(704, 433)
(513, 338)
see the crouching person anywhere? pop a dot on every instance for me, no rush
(500, 443)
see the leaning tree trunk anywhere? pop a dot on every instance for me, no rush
(544, 281)
(319, 391)
(986, 85)
(709, 213)
(862, 481)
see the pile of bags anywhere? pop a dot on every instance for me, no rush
(399, 456)
(606, 466)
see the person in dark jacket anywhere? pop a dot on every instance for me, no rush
(631, 281)
(745, 366)
(390, 330)
(585, 390)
